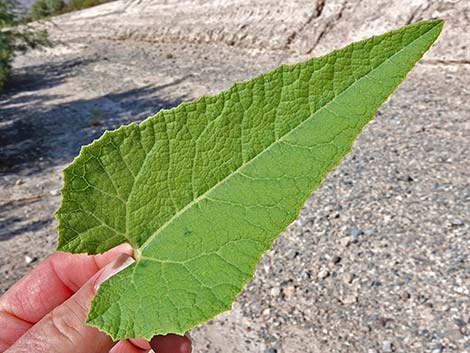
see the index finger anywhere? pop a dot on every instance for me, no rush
(51, 283)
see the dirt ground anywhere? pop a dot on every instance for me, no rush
(378, 260)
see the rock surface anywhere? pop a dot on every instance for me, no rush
(379, 257)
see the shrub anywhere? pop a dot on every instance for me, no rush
(15, 37)
(46, 8)
(40, 10)
(55, 6)
(5, 55)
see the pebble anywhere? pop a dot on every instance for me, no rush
(345, 242)
(405, 295)
(29, 259)
(437, 348)
(335, 260)
(275, 291)
(453, 334)
(372, 350)
(459, 322)
(387, 347)
(323, 274)
(350, 299)
(355, 232)
(348, 278)
(19, 182)
(288, 291)
(457, 223)
(461, 290)
(271, 350)
(54, 192)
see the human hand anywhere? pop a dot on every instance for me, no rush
(45, 311)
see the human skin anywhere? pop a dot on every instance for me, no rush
(45, 311)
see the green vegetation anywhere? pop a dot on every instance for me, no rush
(201, 191)
(96, 118)
(15, 36)
(46, 8)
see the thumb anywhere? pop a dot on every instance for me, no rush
(64, 329)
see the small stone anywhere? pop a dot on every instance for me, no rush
(345, 242)
(288, 291)
(375, 283)
(452, 334)
(383, 321)
(372, 350)
(405, 295)
(459, 322)
(424, 333)
(29, 259)
(457, 223)
(19, 182)
(294, 255)
(464, 331)
(355, 232)
(461, 290)
(275, 291)
(387, 347)
(348, 278)
(271, 350)
(335, 260)
(350, 299)
(323, 274)
(437, 348)
(54, 192)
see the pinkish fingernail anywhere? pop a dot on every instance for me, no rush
(118, 264)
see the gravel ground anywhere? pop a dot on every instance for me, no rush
(379, 258)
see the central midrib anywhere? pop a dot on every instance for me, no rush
(139, 251)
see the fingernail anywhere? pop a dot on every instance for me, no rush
(118, 264)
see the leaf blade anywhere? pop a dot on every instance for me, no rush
(301, 119)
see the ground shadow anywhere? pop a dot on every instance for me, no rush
(36, 134)
(39, 130)
(37, 77)
(9, 230)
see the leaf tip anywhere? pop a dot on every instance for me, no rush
(439, 23)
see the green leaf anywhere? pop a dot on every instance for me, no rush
(202, 190)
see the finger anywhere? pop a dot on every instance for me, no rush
(64, 329)
(127, 346)
(11, 328)
(140, 342)
(47, 286)
(171, 343)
